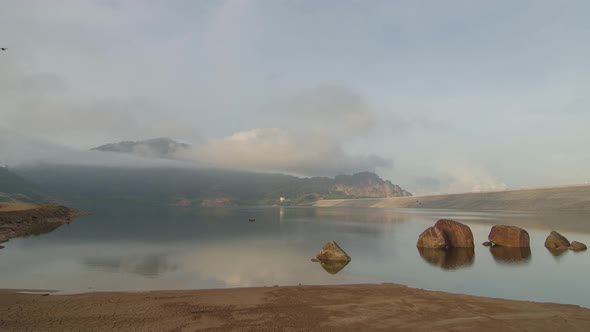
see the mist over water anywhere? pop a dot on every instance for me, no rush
(132, 248)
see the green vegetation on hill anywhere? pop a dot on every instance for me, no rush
(15, 188)
(170, 185)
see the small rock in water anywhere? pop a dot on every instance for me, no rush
(487, 244)
(557, 241)
(577, 246)
(2, 247)
(332, 252)
(315, 260)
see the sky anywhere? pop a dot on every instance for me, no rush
(437, 96)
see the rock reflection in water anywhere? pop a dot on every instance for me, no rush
(506, 255)
(450, 259)
(557, 253)
(333, 267)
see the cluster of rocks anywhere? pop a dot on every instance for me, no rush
(449, 244)
(508, 243)
(556, 241)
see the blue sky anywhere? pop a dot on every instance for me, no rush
(438, 96)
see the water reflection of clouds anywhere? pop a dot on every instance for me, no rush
(363, 215)
(153, 265)
(256, 264)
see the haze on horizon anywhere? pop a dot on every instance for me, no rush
(436, 96)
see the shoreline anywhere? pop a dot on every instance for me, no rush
(575, 198)
(24, 219)
(298, 308)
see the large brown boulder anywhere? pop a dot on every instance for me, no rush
(578, 246)
(509, 236)
(556, 241)
(332, 252)
(458, 234)
(433, 237)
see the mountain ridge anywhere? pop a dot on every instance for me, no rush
(161, 147)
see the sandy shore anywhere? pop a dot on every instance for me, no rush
(567, 198)
(386, 307)
(22, 219)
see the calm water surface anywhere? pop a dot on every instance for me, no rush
(147, 248)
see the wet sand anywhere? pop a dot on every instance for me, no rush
(386, 307)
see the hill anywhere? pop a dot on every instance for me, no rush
(14, 188)
(186, 186)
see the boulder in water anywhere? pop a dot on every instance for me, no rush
(458, 234)
(509, 236)
(433, 237)
(557, 241)
(487, 244)
(332, 252)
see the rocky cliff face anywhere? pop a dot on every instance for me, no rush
(367, 184)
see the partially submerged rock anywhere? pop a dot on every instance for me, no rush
(577, 246)
(332, 252)
(487, 244)
(433, 237)
(509, 236)
(557, 241)
(459, 235)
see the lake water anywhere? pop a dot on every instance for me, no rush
(149, 248)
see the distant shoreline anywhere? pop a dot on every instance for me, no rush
(316, 308)
(562, 198)
(22, 219)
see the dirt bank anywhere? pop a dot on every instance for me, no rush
(386, 307)
(21, 219)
